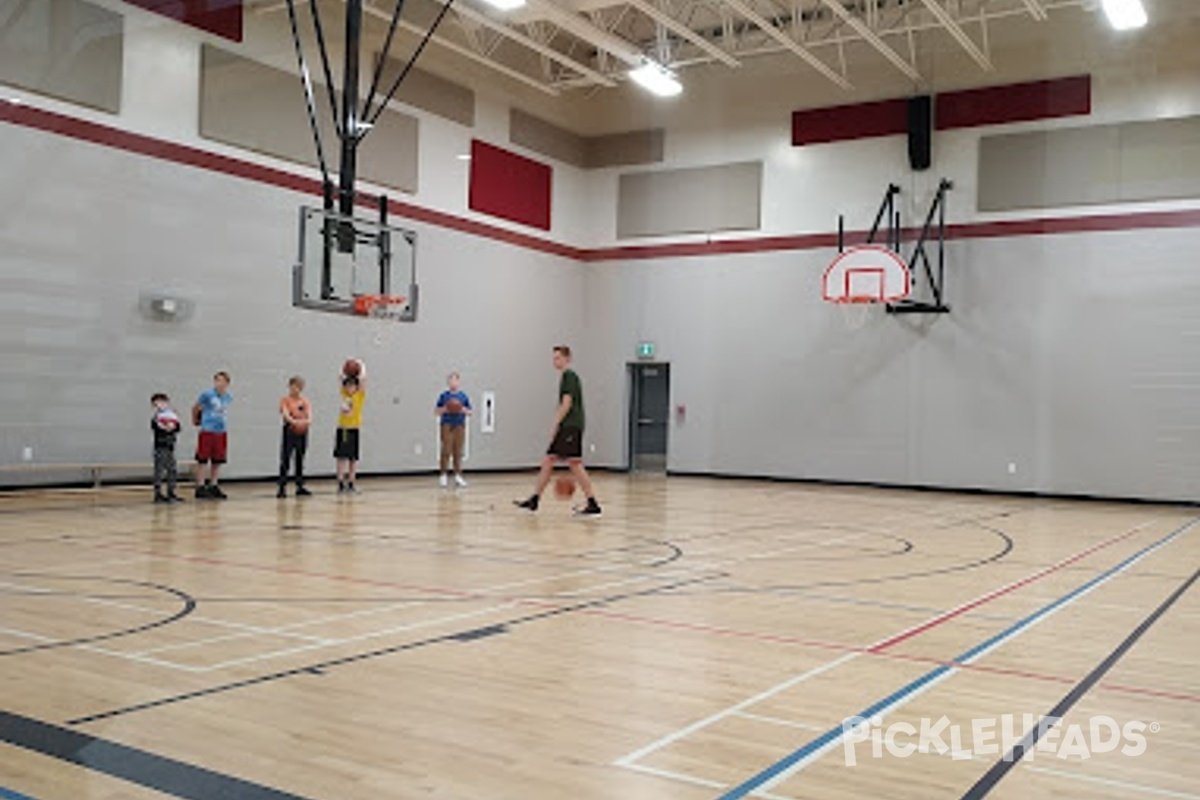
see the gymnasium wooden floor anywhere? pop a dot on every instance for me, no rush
(704, 639)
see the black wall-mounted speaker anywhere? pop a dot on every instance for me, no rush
(920, 132)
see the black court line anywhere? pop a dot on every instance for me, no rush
(457, 636)
(130, 764)
(984, 785)
(189, 605)
(786, 589)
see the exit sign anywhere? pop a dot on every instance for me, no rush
(645, 350)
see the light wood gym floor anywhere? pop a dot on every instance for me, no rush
(704, 639)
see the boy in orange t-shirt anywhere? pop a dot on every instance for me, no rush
(296, 412)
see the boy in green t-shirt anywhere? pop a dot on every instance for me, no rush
(566, 438)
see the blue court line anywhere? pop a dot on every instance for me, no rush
(833, 735)
(9, 794)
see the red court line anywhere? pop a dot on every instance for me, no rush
(941, 619)
(716, 630)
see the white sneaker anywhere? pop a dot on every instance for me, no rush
(443, 481)
(459, 482)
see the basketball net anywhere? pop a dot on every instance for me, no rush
(855, 311)
(383, 311)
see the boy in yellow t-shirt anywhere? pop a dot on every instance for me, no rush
(345, 449)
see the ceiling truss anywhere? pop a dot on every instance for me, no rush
(593, 43)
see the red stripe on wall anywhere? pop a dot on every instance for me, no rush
(222, 17)
(509, 186)
(1018, 102)
(60, 124)
(841, 123)
(63, 125)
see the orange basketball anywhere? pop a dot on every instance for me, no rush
(564, 487)
(454, 406)
(352, 368)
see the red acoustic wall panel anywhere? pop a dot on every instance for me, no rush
(222, 17)
(1018, 102)
(509, 186)
(841, 123)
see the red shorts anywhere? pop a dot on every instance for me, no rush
(211, 447)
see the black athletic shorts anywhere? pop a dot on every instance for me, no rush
(346, 445)
(568, 443)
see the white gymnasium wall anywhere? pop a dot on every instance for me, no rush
(1069, 363)
(86, 229)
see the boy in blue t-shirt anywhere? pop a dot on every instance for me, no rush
(212, 446)
(453, 408)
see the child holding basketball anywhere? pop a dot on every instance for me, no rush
(566, 438)
(453, 408)
(165, 424)
(345, 449)
(212, 446)
(296, 412)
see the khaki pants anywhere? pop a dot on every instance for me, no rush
(453, 438)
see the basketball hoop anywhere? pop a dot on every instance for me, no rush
(381, 306)
(863, 276)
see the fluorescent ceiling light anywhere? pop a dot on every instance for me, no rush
(1125, 15)
(656, 79)
(505, 5)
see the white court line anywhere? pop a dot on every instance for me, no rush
(998, 592)
(143, 609)
(360, 638)
(229, 637)
(102, 651)
(679, 776)
(804, 726)
(1151, 790)
(638, 755)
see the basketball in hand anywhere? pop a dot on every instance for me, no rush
(454, 406)
(564, 487)
(352, 368)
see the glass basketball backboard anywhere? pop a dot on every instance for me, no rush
(343, 258)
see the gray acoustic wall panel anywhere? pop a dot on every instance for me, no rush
(429, 92)
(250, 105)
(625, 149)
(546, 138)
(589, 152)
(695, 200)
(1151, 160)
(67, 49)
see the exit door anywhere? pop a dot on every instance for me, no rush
(649, 413)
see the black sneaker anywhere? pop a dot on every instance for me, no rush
(174, 498)
(217, 494)
(302, 492)
(530, 505)
(203, 491)
(282, 492)
(341, 488)
(161, 498)
(592, 509)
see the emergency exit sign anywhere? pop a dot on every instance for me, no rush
(645, 350)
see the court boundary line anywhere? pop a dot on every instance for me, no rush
(130, 764)
(798, 759)
(319, 667)
(1001, 768)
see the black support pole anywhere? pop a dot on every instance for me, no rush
(347, 173)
